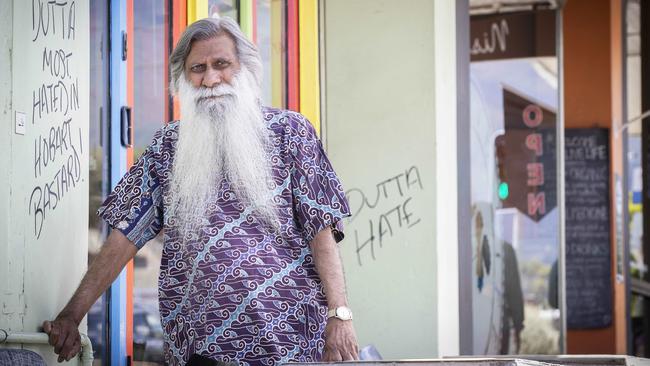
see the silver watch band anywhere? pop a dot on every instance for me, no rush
(340, 312)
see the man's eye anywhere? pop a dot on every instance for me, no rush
(222, 64)
(198, 68)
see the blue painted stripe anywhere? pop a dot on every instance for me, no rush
(117, 300)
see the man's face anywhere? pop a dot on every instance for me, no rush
(212, 62)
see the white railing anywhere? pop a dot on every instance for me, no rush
(42, 339)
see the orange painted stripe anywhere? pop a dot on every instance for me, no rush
(179, 13)
(130, 98)
(129, 308)
(293, 54)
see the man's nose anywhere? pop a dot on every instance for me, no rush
(212, 78)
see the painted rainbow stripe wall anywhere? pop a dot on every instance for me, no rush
(295, 85)
(294, 50)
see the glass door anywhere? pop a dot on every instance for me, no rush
(151, 34)
(152, 108)
(515, 240)
(98, 164)
(638, 144)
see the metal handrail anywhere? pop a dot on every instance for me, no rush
(627, 124)
(42, 338)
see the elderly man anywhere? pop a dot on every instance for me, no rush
(251, 210)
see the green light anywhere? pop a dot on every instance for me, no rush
(504, 192)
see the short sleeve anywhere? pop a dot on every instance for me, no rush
(318, 197)
(135, 206)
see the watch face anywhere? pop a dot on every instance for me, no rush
(343, 313)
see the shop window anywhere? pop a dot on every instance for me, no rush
(150, 113)
(98, 165)
(151, 106)
(638, 268)
(515, 220)
(271, 43)
(268, 33)
(227, 8)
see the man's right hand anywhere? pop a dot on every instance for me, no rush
(116, 252)
(64, 337)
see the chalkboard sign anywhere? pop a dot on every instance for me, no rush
(588, 247)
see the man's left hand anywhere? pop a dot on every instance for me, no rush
(340, 341)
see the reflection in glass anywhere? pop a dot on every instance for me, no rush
(634, 137)
(514, 253)
(269, 38)
(638, 267)
(151, 98)
(264, 33)
(227, 8)
(150, 73)
(98, 165)
(272, 47)
(515, 232)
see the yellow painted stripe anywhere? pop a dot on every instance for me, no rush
(246, 17)
(309, 76)
(196, 9)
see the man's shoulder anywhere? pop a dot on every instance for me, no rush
(287, 121)
(165, 136)
(173, 125)
(169, 128)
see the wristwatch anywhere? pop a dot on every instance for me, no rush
(341, 312)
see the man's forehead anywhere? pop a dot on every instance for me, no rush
(221, 45)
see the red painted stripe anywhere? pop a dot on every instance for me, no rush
(293, 61)
(254, 16)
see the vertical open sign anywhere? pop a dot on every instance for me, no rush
(526, 156)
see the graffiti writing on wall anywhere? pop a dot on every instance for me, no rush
(387, 211)
(58, 141)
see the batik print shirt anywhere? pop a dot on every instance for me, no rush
(238, 290)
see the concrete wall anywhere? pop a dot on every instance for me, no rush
(44, 75)
(389, 128)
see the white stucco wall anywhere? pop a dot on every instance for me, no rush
(44, 74)
(390, 131)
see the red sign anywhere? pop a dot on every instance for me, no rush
(526, 159)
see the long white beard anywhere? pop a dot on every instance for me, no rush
(222, 137)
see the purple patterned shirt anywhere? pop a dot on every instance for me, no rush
(239, 291)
